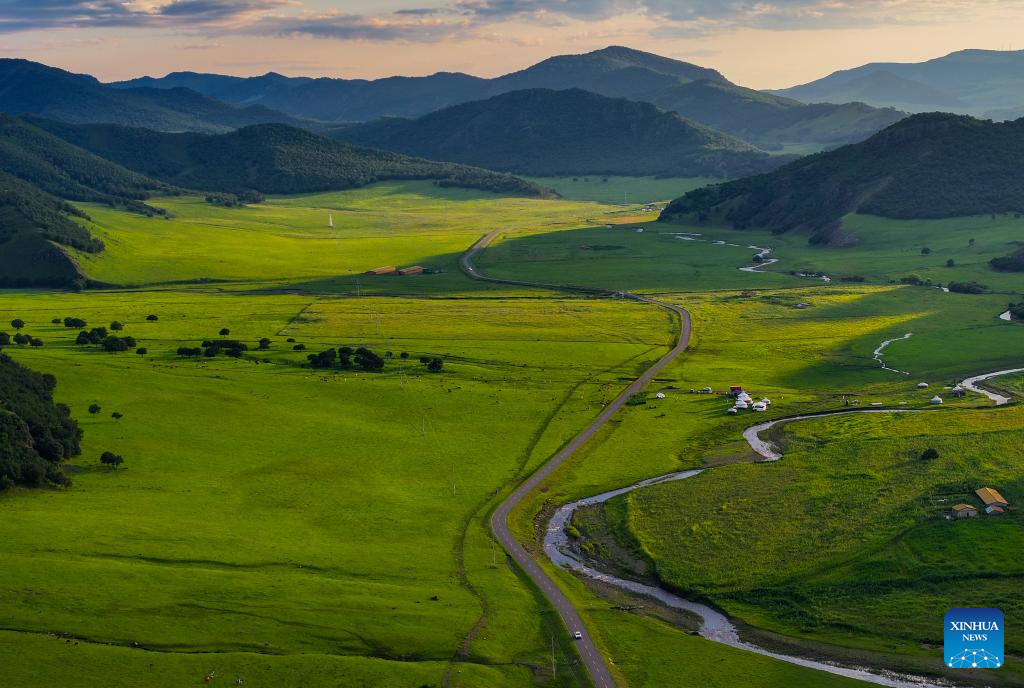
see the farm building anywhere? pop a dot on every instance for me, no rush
(964, 511)
(414, 270)
(994, 510)
(385, 270)
(990, 497)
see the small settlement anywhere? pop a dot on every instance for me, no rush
(995, 504)
(744, 401)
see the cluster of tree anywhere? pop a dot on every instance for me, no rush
(347, 357)
(553, 133)
(1016, 311)
(94, 336)
(268, 158)
(234, 200)
(433, 364)
(19, 338)
(190, 351)
(1013, 263)
(967, 287)
(36, 434)
(74, 323)
(115, 344)
(111, 459)
(229, 347)
(926, 166)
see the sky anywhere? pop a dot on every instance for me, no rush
(756, 43)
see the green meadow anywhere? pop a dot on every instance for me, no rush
(298, 527)
(622, 190)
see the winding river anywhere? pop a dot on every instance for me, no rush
(715, 626)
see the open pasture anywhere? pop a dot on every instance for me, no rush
(272, 516)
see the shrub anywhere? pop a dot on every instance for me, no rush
(55, 321)
(925, 251)
(36, 342)
(142, 351)
(224, 332)
(950, 263)
(299, 347)
(290, 340)
(404, 355)
(116, 326)
(264, 344)
(436, 365)
(117, 415)
(94, 409)
(967, 288)
(929, 454)
(912, 279)
(152, 318)
(111, 459)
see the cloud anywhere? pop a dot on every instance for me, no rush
(28, 15)
(438, 20)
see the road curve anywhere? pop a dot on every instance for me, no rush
(592, 660)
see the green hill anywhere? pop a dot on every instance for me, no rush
(552, 133)
(269, 158)
(927, 166)
(64, 170)
(32, 88)
(32, 224)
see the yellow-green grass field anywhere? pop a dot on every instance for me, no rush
(271, 516)
(292, 527)
(845, 541)
(286, 243)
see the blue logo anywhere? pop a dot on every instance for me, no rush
(974, 638)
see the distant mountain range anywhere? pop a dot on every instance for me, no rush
(551, 133)
(926, 166)
(694, 92)
(988, 83)
(32, 88)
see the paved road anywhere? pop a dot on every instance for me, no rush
(595, 664)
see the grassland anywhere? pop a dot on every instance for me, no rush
(292, 527)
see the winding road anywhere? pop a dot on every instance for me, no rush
(591, 657)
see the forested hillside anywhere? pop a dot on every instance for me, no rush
(269, 158)
(30, 219)
(549, 133)
(36, 434)
(927, 166)
(67, 171)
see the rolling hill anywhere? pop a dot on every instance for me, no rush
(552, 133)
(32, 88)
(618, 72)
(268, 158)
(64, 170)
(33, 227)
(987, 83)
(927, 166)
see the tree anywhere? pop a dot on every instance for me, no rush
(36, 342)
(404, 355)
(970, 242)
(264, 344)
(5, 339)
(152, 318)
(74, 323)
(117, 415)
(116, 326)
(299, 347)
(930, 454)
(111, 459)
(94, 409)
(17, 323)
(55, 321)
(224, 332)
(142, 351)
(436, 365)
(950, 263)
(925, 251)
